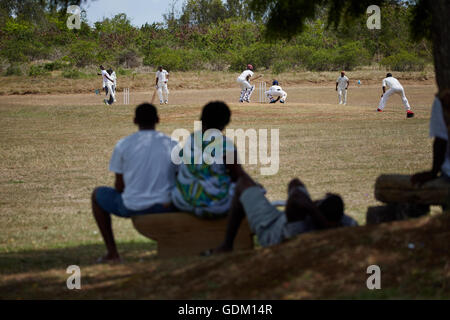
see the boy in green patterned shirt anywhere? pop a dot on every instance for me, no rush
(205, 183)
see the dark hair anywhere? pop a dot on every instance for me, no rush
(332, 207)
(146, 115)
(215, 115)
(389, 75)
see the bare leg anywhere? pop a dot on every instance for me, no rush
(103, 220)
(237, 214)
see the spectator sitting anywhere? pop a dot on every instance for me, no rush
(203, 189)
(144, 177)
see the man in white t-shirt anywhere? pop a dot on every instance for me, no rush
(342, 84)
(441, 147)
(144, 178)
(244, 81)
(162, 77)
(276, 91)
(394, 87)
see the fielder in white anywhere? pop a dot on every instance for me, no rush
(162, 77)
(276, 91)
(342, 84)
(394, 87)
(108, 83)
(244, 81)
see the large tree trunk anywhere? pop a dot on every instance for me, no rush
(441, 50)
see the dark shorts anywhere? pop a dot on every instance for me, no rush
(110, 200)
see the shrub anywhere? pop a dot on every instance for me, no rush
(351, 55)
(403, 61)
(281, 66)
(72, 74)
(176, 60)
(321, 60)
(52, 66)
(38, 70)
(14, 70)
(84, 53)
(129, 58)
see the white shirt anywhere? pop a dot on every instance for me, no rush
(162, 76)
(438, 129)
(342, 82)
(245, 74)
(275, 88)
(392, 83)
(114, 78)
(144, 159)
(105, 76)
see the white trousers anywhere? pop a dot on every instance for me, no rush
(387, 94)
(111, 92)
(163, 92)
(270, 94)
(246, 90)
(342, 95)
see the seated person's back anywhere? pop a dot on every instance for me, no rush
(207, 189)
(148, 172)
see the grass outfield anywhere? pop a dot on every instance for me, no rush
(56, 148)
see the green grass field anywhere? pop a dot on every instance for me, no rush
(56, 149)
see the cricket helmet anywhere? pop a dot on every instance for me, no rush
(275, 83)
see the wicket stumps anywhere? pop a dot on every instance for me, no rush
(262, 88)
(126, 96)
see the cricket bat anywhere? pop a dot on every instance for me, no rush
(154, 96)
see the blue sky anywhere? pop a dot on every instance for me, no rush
(139, 11)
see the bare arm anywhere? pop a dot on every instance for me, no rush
(119, 184)
(439, 151)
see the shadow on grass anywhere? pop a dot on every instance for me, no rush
(46, 259)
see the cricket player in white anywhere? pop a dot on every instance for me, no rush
(342, 84)
(394, 87)
(109, 85)
(244, 81)
(162, 77)
(276, 91)
(113, 76)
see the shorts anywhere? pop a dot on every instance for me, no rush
(110, 200)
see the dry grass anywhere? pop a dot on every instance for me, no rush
(56, 148)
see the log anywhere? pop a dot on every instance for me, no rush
(183, 234)
(398, 189)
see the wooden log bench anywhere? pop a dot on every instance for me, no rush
(399, 189)
(182, 234)
(404, 200)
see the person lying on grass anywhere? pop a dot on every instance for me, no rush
(272, 226)
(205, 188)
(144, 178)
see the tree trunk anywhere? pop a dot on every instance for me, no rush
(440, 10)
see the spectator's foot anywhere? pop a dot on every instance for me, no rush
(216, 251)
(113, 259)
(379, 110)
(409, 114)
